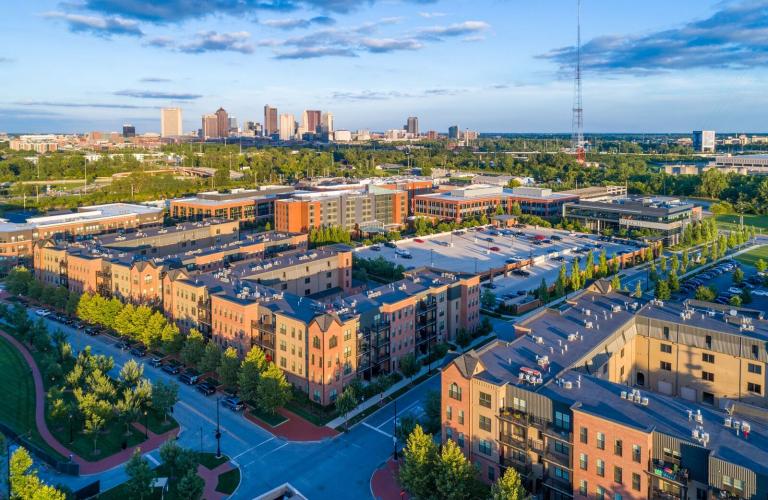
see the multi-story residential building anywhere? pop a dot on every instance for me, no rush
(371, 209)
(412, 315)
(481, 199)
(287, 127)
(170, 122)
(17, 239)
(238, 204)
(560, 401)
(666, 217)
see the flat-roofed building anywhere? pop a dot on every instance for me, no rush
(238, 204)
(665, 217)
(742, 164)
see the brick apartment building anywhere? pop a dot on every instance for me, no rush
(238, 204)
(561, 402)
(17, 239)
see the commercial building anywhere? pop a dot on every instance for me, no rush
(129, 130)
(271, 125)
(326, 125)
(310, 121)
(460, 203)
(743, 164)
(222, 122)
(373, 209)
(453, 132)
(17, 239)
(237, 204)
(663, 217)
(704, 141)
(412, 125)
(561, 402)
(210, 126)
(287, 131)
(170, 122)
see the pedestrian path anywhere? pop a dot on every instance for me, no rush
(294, 428)
(86, 467)
(384, 483)
(211, 478)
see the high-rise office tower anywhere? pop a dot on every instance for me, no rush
(412, 127)
(326, 123)
(453, 132)
(271, 125)
(222, 119)
(310, 121)
(287, 127)
(704, 141)
(170, 122)
(232, 124)
(210, 126)
(129, 130)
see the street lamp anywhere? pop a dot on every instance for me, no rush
(70, 429)
(394, 434)
(146, 429)
(218, 429)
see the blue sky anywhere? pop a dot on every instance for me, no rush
(489, 65)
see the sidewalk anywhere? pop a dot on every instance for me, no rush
(295, 428)
(384, 484)
(211, 478)
(86, 467)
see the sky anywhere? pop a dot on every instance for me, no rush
(487, 65)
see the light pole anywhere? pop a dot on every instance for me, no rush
(146, 429)
(394, 434)
(70, 429)
(218, 430)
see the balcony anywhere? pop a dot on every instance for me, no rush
(520, 417)
(558, 458)
(551, 431)
(521, 465)
(517, 440)
(669, 472)
(658, 494)
(262, 326)
(427, 305)
(558, 483)
(536, 445)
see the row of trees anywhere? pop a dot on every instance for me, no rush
(181, 466)
(431, 473)
(21, 281)
(327, 235)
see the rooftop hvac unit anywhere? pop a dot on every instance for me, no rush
(623, 395)
(645, 401)
(728, 421)
(568, 384)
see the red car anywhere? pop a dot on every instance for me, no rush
(495, 249)
(419, 240)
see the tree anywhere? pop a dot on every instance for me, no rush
(761, 265)
(190, 486)
(616, 283)
(589, 266)
(674, 282)
(735, 301)
(685, 261)
(140, 476)
(508, 487)
(516, 210)
(409, 365)
(455, 476)
(746, 296)
(674, 263)
(488, 299)
(543, 292)
(130, 373)
(172, 338)
(152, 333)
(25, 483)
(602, 265)
(663, 263)
(638, 290)
(705, 293)
(562, 281)
(432, 412)
(346, 402)
(124, 321)
(254, 364)
(463, 337)
(417, 472)
(267, 226)
(662, 290)
(273, 390)
(229, 366)
(575, 276)
(738, 275)
(164, 396)
(194, 348)
(211, 358)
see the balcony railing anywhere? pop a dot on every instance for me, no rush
(668, 471)
(536, 445)
(657, 494)
(516, 440)
(521, 418)
(522, 466)
(553, 431)
(558, 484)
(557, 457)
(266, 327)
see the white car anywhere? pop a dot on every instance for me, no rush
(761, 293)
(733, 289)
(42, 312)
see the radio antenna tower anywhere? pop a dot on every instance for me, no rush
(577, 125)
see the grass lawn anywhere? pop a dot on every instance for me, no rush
(753, 255)
(228, 482)
(313, 412)
(268, 418)
(17, 390)
(120, 492)
(732, 221)
(156, 424)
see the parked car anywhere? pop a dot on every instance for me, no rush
(190, 377)
(390, 244)
(139, 351)
(206, 388)
(172, 368)
(558, 258)
(556, 237)
(521, 272)
(123, 345)
(490, 286)
(418, 240)
(512, 260)
(494, 249)
(375, 248)
(156, 361)
(233, 404)
(458, 233)
(42, 312)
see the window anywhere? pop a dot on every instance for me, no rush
(618, 447)
(562, 448)
(707, 358)
(666, 332)
(448, 412)
(460, 440)
(666, 348)
(600, 441)
(618, 474)
(617, 496)
(755, 351)
(727, 481)
(461, 417)
(738, 484)
(491, 473)
(666, 365)
(600, 465)
(708, 376)
(316, 342)
(600, 492)
(636, 481)
(583, 488)
(756, 388)
(519, 404)
(455, 392)
(485, 423)
(485, 447)
(708, 398)
(584, 435)
(333, 342)
(636, 452)
(708, 341)
(485, 400)
(562, 420)
(448, 433)
(756, 369)
(640, 379)
(562, 473)
(583, 461)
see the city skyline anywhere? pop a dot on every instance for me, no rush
(364, 62)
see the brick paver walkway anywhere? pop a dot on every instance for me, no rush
(86, 467)
(384, 485)
(211, 478)
(295, 428)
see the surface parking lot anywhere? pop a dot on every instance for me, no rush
(720, 279)
(478, 251)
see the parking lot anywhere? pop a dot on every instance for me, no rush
(485, 249)
(720, 279)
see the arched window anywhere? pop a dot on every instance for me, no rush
(455, 392)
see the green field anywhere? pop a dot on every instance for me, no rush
(753, 255)
(17, 391)
(228, 482)
(731, 221)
